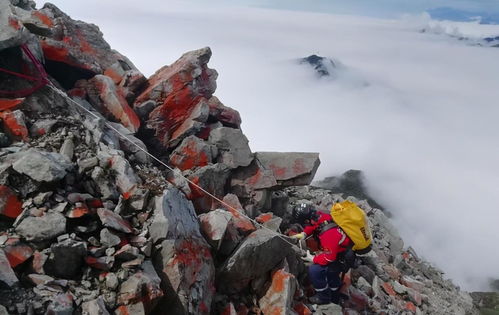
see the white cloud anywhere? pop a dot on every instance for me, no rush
(424, 129)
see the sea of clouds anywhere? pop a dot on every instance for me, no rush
(417, 112)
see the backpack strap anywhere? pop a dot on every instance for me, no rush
(325, 226)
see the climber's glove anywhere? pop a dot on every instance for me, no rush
(308, 257)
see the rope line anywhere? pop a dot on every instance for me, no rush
(39, 81)
(257, 224)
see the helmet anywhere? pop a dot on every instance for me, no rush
(302, 212)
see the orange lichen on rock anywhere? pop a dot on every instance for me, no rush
(17, 254)
(43, 18)
(10, 205)
(14, 126)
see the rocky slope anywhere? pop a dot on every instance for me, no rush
(90, 223)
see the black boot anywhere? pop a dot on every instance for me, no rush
(316, 299)
(337, 297)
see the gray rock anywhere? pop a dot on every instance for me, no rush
(42, 126)
(139, 199)
(42, 228)
(62, 304)
(259, 253)
(174, 217)
(67, 148)
(66, 259)
(104, 186)
(112, 281)
(4, 140)
(94, 307)
(192, 152)
(3, 310)
(144, 109)
(108, 239)
(329, 309)
(290, 168)
(126, 179)
(87, 164)
(245, 180)
(7, 275)
(213, 179)
(42, 166)
(143, 285)
(350, 183)
(213, 226)
(183, 248)
(114, 221)
(233, 147)
(11, 35)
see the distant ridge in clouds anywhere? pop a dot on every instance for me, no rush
(453, 14)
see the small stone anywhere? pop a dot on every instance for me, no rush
(67, 149)
(114, 221)
(87, 164)
(102, 263)
(111, 281)
(109, 239)
(41, 198)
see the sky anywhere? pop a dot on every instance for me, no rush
(417, 112)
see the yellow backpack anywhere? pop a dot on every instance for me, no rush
(353, 221)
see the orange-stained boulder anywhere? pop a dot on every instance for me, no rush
(10, 205)
(192, 153)
(178, 90)
(14, 125)
(279, 297)
(18, 253)
(78, 44)
(107, 98)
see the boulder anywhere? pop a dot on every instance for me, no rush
(246, 180)
(233, 146)
(109, 100)
(184, 260)
(42, 166)
(178, 90)
(241, 222)
(10, 205)
(78, 46)
(350, 183)
(143, 286)
(279, 297)
(18, 253)
(193, 152)
(290, 168)
(7, 275)
(174, 217)
(12, 33)
(220, 231)
(259, 253)
(211, 178)
(42, 228)
(227, 116)
(14, 124)
(66, 259)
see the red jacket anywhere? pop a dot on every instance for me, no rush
(333, 241)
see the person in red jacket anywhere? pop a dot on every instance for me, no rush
(325, 271)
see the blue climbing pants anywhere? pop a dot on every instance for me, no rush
(325, 279)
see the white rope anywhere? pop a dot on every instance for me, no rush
(257, 224)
